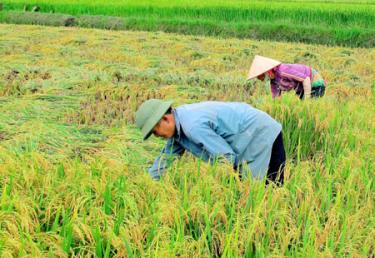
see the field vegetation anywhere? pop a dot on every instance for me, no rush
(73, 166)
(346, 23)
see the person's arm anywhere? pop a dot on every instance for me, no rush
(214, 144)
(298, 73)
(169, 153)
(307, 88)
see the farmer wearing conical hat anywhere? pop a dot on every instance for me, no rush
(246, 137)
(306, 81)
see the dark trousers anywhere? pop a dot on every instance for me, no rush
(276, 167)
(316, 92)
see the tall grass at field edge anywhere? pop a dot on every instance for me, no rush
(352, 37)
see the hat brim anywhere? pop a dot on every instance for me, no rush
(250, 77)
(153, 120)
(261, 65)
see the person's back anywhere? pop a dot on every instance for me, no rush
(230, 117)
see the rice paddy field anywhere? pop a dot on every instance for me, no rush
(345, 23)
(73, 167)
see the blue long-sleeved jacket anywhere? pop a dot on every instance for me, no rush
(212, 130)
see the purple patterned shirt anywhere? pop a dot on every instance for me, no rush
(289, 77)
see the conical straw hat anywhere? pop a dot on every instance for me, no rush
(149, 114)
(261, 65)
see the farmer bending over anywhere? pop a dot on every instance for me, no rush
(306, 81)
(244, 136)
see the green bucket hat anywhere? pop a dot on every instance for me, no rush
(149, 114)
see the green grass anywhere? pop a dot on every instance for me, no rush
(350, 24)
(73, 166)
(352, 15)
